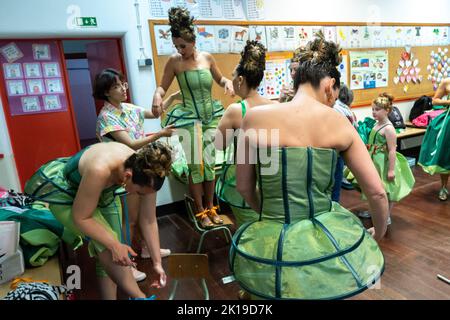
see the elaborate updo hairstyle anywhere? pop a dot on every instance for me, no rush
(384, 101)
(297, 53)
(318, 60)
(104, 81)
(181, 24)
(150, 165)
(252, 63)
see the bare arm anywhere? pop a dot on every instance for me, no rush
(149, 230)
(226, 128)
(123, 137)
(85, 203)
(440, 92)
(219, 78)
(391, 139)
(359, 162)
(167, 78)
(176, 96)
(246, 170)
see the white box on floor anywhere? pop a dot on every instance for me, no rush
(11, 266)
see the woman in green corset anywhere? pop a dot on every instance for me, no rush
(83, 195)
(304, 245)
(246, 78)
(435, 151)
(197, 117)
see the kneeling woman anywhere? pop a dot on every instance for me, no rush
(82, 193)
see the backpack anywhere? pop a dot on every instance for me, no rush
(421, 105)
(396, 118)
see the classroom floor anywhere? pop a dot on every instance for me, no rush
(416, 249)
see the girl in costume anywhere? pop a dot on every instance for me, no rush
(83, 194)
(435, 151)
(246, 78)
(305, 246)
(391, 165)
(198, 115)
(124, 123)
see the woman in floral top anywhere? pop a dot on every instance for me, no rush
(124, 122)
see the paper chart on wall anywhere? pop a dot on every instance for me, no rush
(206, 40)
(239, 37)
(304, 34)
(376, 36)
(368, 69)
(163, 40)
(160, 8)
(223, 38)
(258, 33)
(275, 77)
(343, 68)
(255, 9)
(233, 9)
(274, 38)
(211, 9)
(330, 33)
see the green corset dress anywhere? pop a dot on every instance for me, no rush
(304, 246)
(435, 151)
(404, 178)
(199, 115)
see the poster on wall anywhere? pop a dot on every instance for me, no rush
(368, 69)
(210, 9)
(223, 39)
(205, 38)
(163, 40)
(258, 33)
(239, 37)
(255, 9)
(343, 68)
(34, 81)
(276, 76)
(233, 9)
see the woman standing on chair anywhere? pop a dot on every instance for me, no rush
(124, 122)
(199, 114)
(304, 245)
(435, 151)
(246, 78)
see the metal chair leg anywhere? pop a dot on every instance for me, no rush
(174, 289)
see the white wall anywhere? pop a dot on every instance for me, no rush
(51, 19)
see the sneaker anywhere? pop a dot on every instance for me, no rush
(145, 254)
(364, 214)
(443, 194)
(138, 275)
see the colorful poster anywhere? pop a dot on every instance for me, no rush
(368, 69)
(163, 40)
(255, 9)
(32, 70)
(239, 38)
(304, 35)
(233, 9)
(205, 38)
(30, 104)
(51, 70)
(12, 70)
(223, 38)
(275, 77)
(258, 33)
(343, 68)
(16, 88)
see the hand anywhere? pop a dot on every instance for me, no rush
(372, 232)
(229, 88)
(177, 95)
(167, 131)
(391, 175)
(161, 278)
(120, 255)
(157, 105)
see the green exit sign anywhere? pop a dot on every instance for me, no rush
(87, 21)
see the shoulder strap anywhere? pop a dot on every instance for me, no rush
(387, 124)
(244, 108)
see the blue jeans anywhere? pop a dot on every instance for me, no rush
(338, 174)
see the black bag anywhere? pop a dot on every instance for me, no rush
(421, 105)
(396, 118)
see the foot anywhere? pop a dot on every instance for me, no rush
(145, 254)
(204, 220)
(443, 194)
(212, 213)
(138, 275)
(364, 214)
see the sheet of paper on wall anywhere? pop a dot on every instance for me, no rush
(288, 37)
(9, 237)
(191, 5)
(239, 37)
(341, 36)
(255, 9)
(330, 33)
(275, 77)
(159, 8)
(223, 38)
(233, 9)
(258, 33)
(163, 40)
(304, 34)
(206, 38)
(368, 69)
(275, 38)
(376, 36)
(343, 69)
(210, 9)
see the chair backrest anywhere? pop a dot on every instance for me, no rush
(188, 265)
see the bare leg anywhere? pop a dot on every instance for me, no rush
(444, 180)
(122, 276)
(108, 289)
(133, 201)
(208, 186)
(196, 191)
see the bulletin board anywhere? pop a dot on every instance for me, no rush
(227, 62)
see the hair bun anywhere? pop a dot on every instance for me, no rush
(181, 23)
(253, 57)
(320, 51)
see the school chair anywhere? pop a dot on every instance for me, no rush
(188, 266)
(225, 227)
